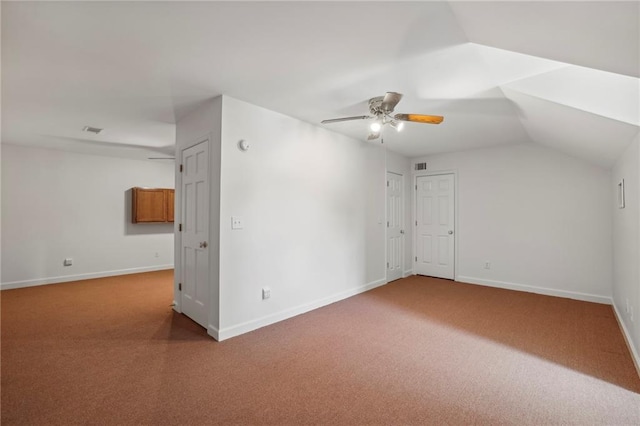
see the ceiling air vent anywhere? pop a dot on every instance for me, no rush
(421, 166)
(90, 129)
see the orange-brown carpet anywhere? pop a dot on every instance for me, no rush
(414, 352)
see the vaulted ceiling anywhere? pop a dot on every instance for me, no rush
(560, 74)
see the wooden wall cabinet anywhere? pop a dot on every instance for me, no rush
(152, 205)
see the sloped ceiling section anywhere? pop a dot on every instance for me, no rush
(589, 105)
(594, 138)
(561, 74)
(595, 34)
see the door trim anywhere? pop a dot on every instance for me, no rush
(177, 252)
(403, 226)
(456, 209)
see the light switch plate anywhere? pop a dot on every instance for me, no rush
(236, 222)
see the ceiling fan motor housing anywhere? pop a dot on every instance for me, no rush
(375, 105)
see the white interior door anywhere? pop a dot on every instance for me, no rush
(395, 231)
(435, 217)
(195, 232)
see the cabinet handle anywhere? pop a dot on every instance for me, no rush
(203, 244)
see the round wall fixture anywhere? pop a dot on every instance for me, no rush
(243, 145)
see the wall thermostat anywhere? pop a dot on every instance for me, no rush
(243, 145)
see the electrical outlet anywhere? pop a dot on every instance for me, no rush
(266, 293)
(236, 222)
(487, 265)
(68, 261)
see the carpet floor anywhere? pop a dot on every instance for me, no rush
(417, 351)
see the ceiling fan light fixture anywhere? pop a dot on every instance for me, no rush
(397, 125)
(373, 135)
(375, 127)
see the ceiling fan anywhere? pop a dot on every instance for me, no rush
(381, 108)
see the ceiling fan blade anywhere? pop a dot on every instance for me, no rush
(390, 101)
(419, 118)
(337, 120)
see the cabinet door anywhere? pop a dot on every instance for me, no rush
(170, 204)
(149, 205)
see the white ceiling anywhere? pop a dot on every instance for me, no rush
(561, 74)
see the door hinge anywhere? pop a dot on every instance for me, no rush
(416, 187)
(179, 286)
(387, 265)
(416, 223)
(387, 183)
(387, 224)
(181, 168)
(416, 258)
(180, 227)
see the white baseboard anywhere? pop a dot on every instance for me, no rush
(538, 290)
(245, 327)
(407, 273)
(627, 338)
(213, 332)
(78, 277)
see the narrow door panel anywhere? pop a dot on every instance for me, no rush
(195, 233)
(395, 231)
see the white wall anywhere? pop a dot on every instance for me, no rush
(58, 204)
(312, 202)
(626, 247)
(399, 164)
(541, 218)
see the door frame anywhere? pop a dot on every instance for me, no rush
(403, 225)
(456, 209)
(177, 251)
